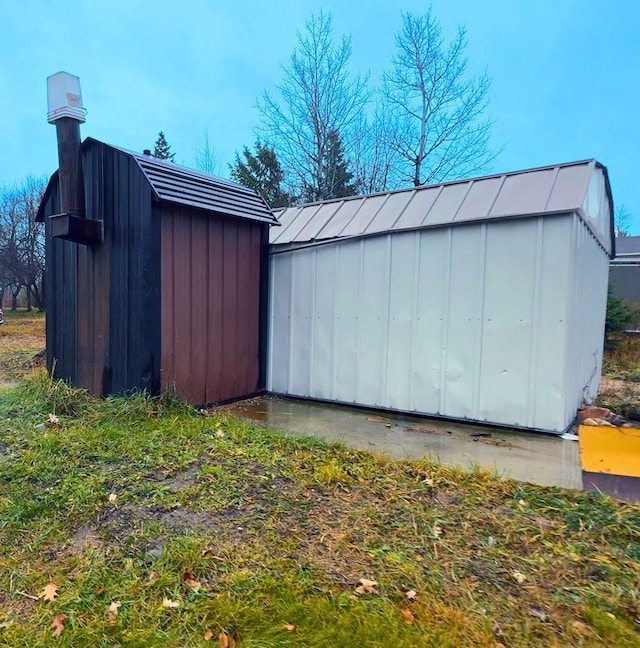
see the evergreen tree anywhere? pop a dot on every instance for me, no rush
(336, 181)
(261, 172)
(162, 149)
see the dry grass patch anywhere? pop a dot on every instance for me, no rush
(22, 336)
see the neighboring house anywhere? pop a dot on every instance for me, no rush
(481, 300)
(624, 271)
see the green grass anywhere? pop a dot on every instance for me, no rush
(279, 530)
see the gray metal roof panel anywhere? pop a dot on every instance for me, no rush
(538, 191)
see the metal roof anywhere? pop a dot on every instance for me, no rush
(533, 192)
(178, 184)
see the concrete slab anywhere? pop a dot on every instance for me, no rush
(525, 456)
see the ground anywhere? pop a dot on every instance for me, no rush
(141, 522)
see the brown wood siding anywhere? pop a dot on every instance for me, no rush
(210, 287)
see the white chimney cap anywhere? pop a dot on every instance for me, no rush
(64, 97)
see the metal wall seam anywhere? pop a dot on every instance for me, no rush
(385, 337)
(291, 323)
(479, 339)
(312, 316)
(444, 335)
(334, 346)
(414, 327)
(360, 319)
(532, 394)
(567, 382)
(270, 331)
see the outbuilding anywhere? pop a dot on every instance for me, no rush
(482, 300)
(160, 284)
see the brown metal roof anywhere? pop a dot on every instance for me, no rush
(547, 190)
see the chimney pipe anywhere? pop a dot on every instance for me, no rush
(67, 113)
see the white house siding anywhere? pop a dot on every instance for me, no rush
(486, 322)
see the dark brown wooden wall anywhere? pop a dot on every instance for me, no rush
(210, 287)
(103, 301)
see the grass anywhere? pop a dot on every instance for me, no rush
(622, 362)
(21, 337)
(262, 539)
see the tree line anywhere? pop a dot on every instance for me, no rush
(22, 242)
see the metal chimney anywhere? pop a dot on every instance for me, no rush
(67, 113)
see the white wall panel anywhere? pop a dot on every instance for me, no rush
(373, 318)
(430, 325)
(498, 322)
(321, 349)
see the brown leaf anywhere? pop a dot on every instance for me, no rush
(49, 592)
(227, 641)
(153, 577)
(168, 603)
(367, 585)
(208, 635)
(408, 616)
(190, 581)
(58, 624)
(290, 627)
(112, 612)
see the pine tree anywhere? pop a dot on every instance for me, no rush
(162, 149)
(337, 179)
(261, 172)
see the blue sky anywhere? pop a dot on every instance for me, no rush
(565, 74)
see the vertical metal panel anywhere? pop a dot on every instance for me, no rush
(302, 315)
(373, 321)
(586, 316)
(348, 284)
(549, 329)
(280, 322)
(430, 320)
(211, 305)
(321, 355)
(463, 320)
(402, 275)
(508, 319)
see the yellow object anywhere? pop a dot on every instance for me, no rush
(610, 450)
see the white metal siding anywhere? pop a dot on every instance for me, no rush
(478, 321)
(587, 309)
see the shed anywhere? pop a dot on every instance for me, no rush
(170, 290)
(482, 300)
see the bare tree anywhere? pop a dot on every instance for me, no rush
(375, 161)
(622, 221)
(438, 108)
(207, 158)
(22, 241)
(319, 100)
